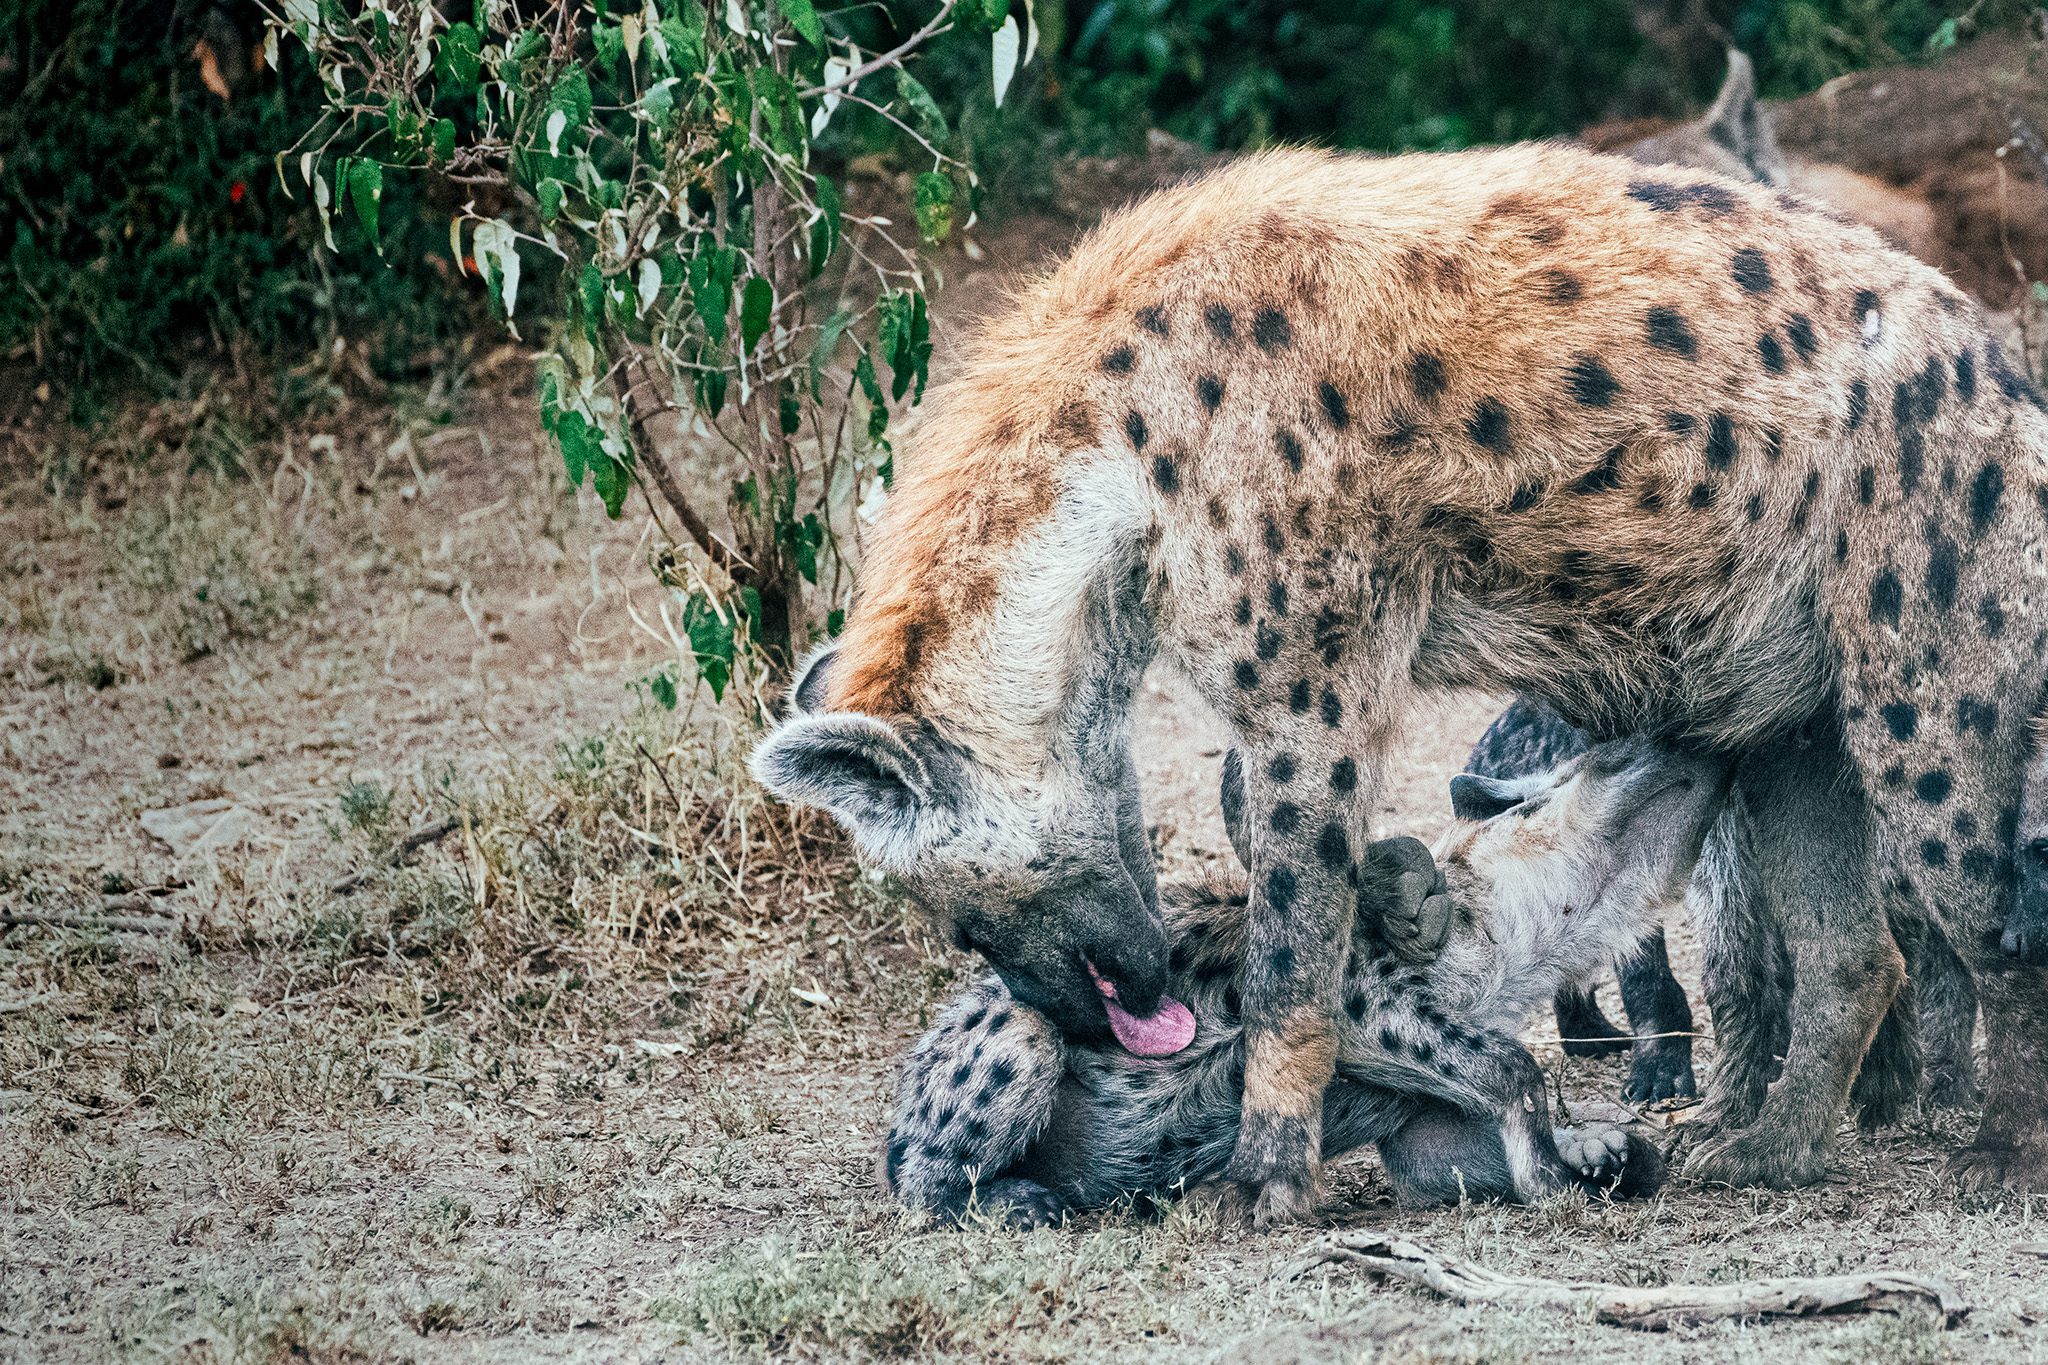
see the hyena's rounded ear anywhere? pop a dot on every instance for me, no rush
(856, 766)
(1737, 122)
(807, 693)
(1481, 798)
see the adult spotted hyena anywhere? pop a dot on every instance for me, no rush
(1677, 456)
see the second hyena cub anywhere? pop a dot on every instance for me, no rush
(995, 1109)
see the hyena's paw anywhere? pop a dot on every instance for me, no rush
(1883, 1092)
(1416, 918)
(1018, 1202)
(1612, 1160)
(1271, 1178)
(1754, 1156)
(2019, 1169)
(1661, 1070)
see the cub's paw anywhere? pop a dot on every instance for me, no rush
(1017, 1202)
(1661, 1069)
(1754, 1157)
(1416, 920)
(1611, 1160)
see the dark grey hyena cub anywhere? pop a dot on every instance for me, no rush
(995, 1108)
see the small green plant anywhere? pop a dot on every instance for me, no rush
(674, 164)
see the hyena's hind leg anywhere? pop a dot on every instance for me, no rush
(1746, 976)
(1661, 1019)
(973, 1094)
(1948, 1020)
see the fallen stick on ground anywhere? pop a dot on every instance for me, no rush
(127, 924)
(1652, 1308)
(409, 845)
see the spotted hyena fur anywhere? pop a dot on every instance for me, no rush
(995, 1109)
(1675, 455)
(1924, 1045)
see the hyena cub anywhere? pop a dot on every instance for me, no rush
(995, 1108)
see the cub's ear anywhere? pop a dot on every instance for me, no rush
(859, 768)
(1481, 798)
(807, 693)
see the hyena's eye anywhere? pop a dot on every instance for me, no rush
(2037, 849)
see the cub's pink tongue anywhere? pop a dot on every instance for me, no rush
(1159, 1034)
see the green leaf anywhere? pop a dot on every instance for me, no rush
(711, 643)
(660, 104)
(444, 140)
(825, 231)
(750, 608)
(934, 204)
(610, 42)
(803, 17)
(789, 412)
(904, 336)
(662, 687)
(835, 621)
(993, 12)
(864, 374)
(572, 434)
(828, 342)
(922, 105)
(550, 195)
(365, 192)
(550, 386)
(609, 479)
(711, 390)
(458, 61)
(590, 294)
(757, 302)
(571, 95)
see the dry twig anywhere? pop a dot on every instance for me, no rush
(57, 919)
(1653, 1308)
(409, 845)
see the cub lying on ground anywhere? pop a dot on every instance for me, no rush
(995, 1109)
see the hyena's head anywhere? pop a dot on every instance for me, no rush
(1051, 879)
(1609, 836)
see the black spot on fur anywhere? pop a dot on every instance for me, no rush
(1271, 331)
(1966, 376)
(1702, 496)
(1973, 713)
(1221, 321)
(1244, 611)
(1886, 598)
(1134, 427)
(1247, 675)
(1333, 847)
(1297, 697)
(1590, 382)
(1667, 330)
(1841, 547)
(1902, 718)
(1604, 477)
(1859, 403)
(1866, 303)
(1866, 485)
(1280, 889)
(1290, 448)
(1560, 287)
(1281, 769)
(1755, 507)
(1426, 375)
(1929, 389)
(1119, 361)
(1488, 426)
(1390, 1041)
(1276, 597)
(1964, 823)
(1979, 865)
(1752, 271)
(1985, 491)
(1233, 559)
(1991, 616)
(1681, 423)
(1895, 776)
(1942, 569)
(1720, 441)
(1527, 496)
(1912, 460)
(1933, 787)
(1153, 319)
(1658, 195)
(1281, 961)
(1285, 818)
(1335, 408)
(1344, 776)
(1713, 200)
(1275, 541)
(1771, 352)
(1210, 390)
(1166, 473)
(1266, 643)
(1332, 709)
(1934, 852)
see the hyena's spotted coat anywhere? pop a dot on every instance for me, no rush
(1674, 455)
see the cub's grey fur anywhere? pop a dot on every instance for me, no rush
(996, 1109)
